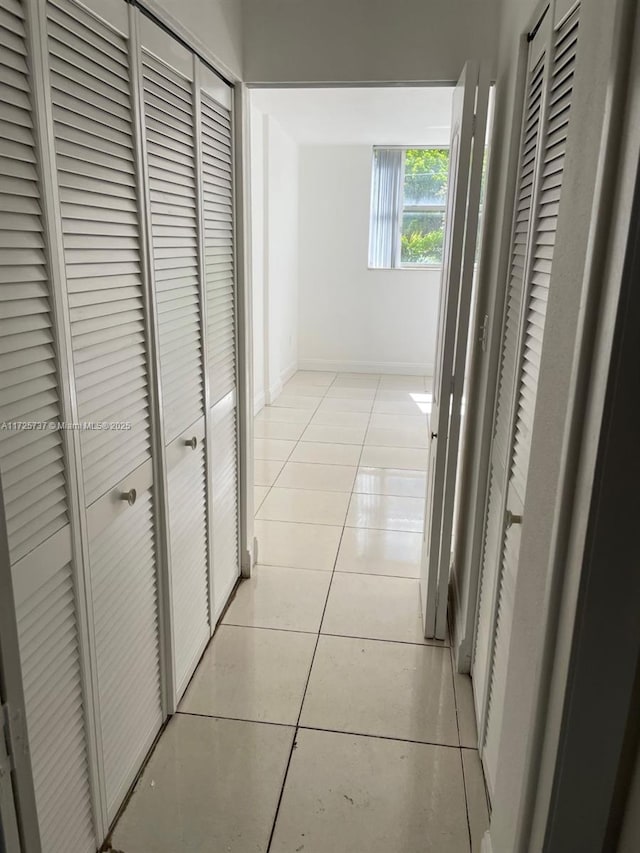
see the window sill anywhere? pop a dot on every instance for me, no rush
(416, 267)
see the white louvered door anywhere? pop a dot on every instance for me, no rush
(547, 110)
(217, 230)
(170, 149)
(94, 136)
(34, 466)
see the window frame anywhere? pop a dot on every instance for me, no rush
(403, 208)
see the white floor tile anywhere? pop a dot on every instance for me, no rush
(276, 597)
(391, 481)
(399, 421)
(275, 414)
(347, 794)
(273, 448)
(351, 393)
(278, 429)
(209, 785)
(291, 401)
(259, 494)
(390, 407)
(380, 552)
(399, 380)
(477, 806)
(353, 419)
(355, 380)
(309, 475)
(338, 404)
(386, 512)
(265, 471)
(394, 457)
(321, 378)
(395, 690)
(327, 454)
(299, 546)
(251, 674)
(412, 437)
(306, 506)
(375, 608)
(297, 389)
(334, 434)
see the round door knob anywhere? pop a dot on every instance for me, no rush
(434, 435)
(192, 442)
(129, 497)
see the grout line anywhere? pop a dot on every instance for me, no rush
(306, 686)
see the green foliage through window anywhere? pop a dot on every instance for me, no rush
(425, 194)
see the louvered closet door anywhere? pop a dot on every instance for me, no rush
(167, 71)
(521, 362)
(94, 145)
(220, 299)
(34, 469)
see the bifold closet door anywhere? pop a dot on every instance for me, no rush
(547, 113)
(94, 138)
(216, 175)
(172, 216)
(34, 466)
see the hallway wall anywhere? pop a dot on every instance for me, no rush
(274, 236)
(360, 40)
(353, 318)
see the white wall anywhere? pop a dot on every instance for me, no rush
(213, 27)
(274, 255)
(353, 318)
(366, 40)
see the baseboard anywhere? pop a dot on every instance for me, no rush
(258, 402)
(407, 368)
(275, 389)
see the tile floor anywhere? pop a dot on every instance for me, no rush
(320, 720)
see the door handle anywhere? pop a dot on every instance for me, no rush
(129, 497)
(191, 442)
(434, 435)
(510, 519)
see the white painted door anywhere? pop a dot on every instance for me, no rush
(217, 189)
(547, 108)
(167, 72)
(468, 129)
(95, 147)
(34, 461)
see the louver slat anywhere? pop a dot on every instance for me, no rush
(28, 370)
(515, 288)
(225, 500)
(484, 661)
(561, 85)
(94, 152)
(218, 247)
(188, 525)
(171, 161)
(126, 624)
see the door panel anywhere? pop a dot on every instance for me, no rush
(99, 207)
(547, 115)
(221, 346)
(35, 471)
(173, 226)
(468, 127)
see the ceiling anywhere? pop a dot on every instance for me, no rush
(393, 115)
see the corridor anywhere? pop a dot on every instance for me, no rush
(319, 719)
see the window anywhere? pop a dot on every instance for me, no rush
(408, 206)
